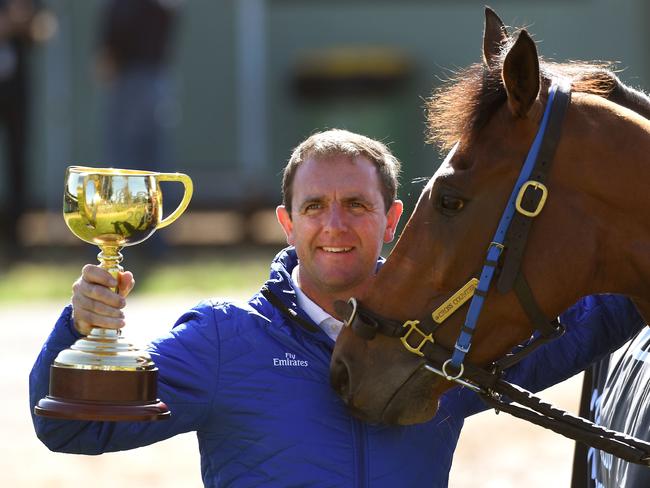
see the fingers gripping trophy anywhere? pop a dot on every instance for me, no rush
(102, 376)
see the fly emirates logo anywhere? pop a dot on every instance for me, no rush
(290, 361)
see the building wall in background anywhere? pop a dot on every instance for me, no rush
(238, 66)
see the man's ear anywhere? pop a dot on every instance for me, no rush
(392, 219)
(285, 222)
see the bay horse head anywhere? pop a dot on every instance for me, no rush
(587, 229)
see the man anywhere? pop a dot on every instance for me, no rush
(134, 53)
(21, 27)
(252, 378)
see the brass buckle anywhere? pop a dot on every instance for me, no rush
(540, 205)
(413, 324)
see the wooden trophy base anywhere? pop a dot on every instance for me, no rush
(102, 395)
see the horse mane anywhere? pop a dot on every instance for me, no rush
(464, 104)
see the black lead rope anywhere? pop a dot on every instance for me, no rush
(535, 410)
(503, 396)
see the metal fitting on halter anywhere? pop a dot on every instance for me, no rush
(535, 186)
(453, 303)
(353, 302)
(462, 382)
(365, 326)
(451, 377)
(413, 326)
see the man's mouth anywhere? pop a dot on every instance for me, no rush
(336, 249)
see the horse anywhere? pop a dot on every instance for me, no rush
(586, 229)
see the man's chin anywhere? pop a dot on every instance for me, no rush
(344, 281)
(338, 270)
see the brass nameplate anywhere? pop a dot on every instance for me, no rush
(456, 301)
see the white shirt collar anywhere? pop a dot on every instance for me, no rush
(330, 325)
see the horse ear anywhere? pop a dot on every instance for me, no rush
(495, 35)
(520, 75)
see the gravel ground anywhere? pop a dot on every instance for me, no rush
(497, 449)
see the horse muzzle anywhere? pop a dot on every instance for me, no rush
(405, 401)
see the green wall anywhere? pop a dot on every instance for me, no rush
(433, 36)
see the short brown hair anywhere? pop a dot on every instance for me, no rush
(338, 142)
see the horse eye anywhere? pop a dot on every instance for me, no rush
(454, 204)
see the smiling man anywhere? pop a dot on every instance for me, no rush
(339, 208)
(252, 378)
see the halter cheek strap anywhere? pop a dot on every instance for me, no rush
(526, 201)
(523, 185)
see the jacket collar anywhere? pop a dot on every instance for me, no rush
(280, 291)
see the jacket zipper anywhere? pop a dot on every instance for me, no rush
(359, 431)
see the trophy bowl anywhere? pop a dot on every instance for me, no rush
(102, 376)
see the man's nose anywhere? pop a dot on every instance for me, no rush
(336, 218)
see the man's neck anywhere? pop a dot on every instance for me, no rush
(323, 299)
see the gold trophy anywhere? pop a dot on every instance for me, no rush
(103, 377)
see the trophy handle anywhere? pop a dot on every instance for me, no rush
(189, 189)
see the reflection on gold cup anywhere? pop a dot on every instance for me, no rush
(102, 377)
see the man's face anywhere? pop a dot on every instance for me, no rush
(338, 224)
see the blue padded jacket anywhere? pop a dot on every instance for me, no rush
(254, 385)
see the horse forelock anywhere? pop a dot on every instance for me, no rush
(465, 103)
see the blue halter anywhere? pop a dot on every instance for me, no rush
(464, 341)
(520, 210)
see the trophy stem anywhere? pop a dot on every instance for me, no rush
(110, 258)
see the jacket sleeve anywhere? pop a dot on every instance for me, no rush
(187, 360)
(595, 326)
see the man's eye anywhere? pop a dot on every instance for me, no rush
(313, 206)
(451, 203)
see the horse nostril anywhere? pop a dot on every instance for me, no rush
(340, 379)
